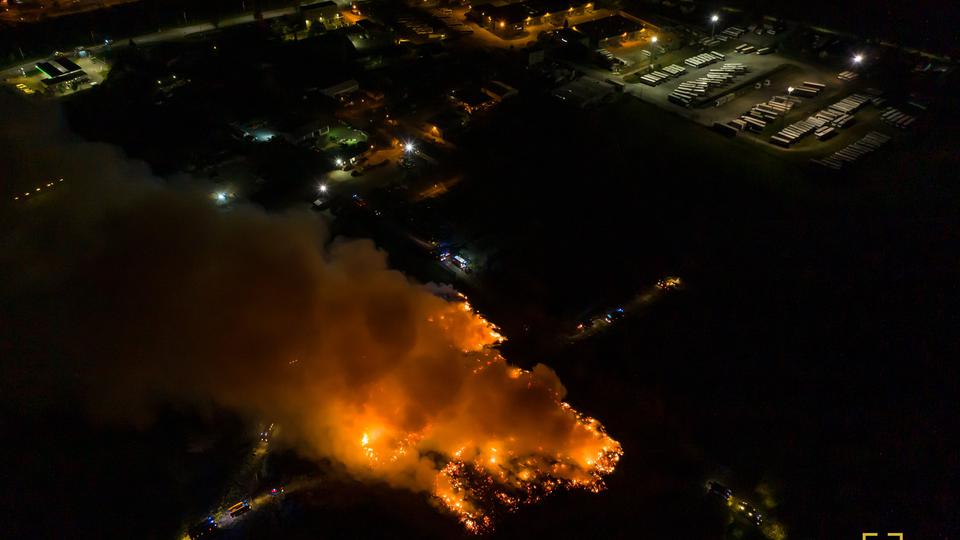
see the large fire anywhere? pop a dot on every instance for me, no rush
(138, 296)
(481, 471)
(264, 315)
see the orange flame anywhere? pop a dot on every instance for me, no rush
(480, 471)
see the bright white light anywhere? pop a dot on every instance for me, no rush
(323, 188)
(221, 197)
(339, 162)
(858, 58)
(408, 147)
(714, 18)
(653, 39)
(789, 89)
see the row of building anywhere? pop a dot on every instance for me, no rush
(509, 20)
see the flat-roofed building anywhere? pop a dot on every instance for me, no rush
(610, 31)
(326, 13)
(509, 20)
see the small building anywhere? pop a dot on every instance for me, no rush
(652, 22)
(508, 20)
(372, 31)
(555, 11)
(505, 21)
(326, 12)
(342, 88)
(499, 91)
(308, 133)
(61, 72)
(472, 100)
(610, 31)
(569, 36)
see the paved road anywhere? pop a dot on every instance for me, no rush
(32, 14)
(171, 34)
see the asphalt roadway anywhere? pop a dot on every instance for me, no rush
(172, 34)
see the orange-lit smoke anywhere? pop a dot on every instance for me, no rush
(501, 438)
(134, 295)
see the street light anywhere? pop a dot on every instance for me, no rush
(783, 117)
(323, 188)
(339, 162)
(408, 147)
(713, 26)
(653, 41)
(857, 58)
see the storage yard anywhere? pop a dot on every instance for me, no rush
(788, 107)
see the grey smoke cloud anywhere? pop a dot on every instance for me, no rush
(128, 294)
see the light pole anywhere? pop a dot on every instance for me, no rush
(783, 119)
(653, 43)
(713, 24)
(857, 60)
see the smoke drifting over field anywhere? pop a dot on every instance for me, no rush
(132, 294)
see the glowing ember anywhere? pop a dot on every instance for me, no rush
(477, 477)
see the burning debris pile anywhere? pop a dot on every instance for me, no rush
(132, 295)
(499, 469)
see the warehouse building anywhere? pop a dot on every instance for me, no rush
(326, 13)
(610, 31)
(510, 20)
(61, 72)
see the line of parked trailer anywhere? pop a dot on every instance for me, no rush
(824, 123)
(809, 89)
(853, 152)
(733, 32)
(662, 75)
(848, 75)
(761, 29)
(832, 118)
(851, 104)
(704, 59)
(760, 115)
(647, 53)
(688, 91)
(744, 48)
(897, 118)
(793, 133)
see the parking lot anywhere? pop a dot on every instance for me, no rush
(759, 69)
(767, 76)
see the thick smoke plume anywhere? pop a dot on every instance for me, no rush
(134, 294)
